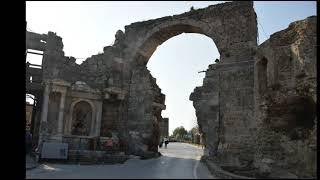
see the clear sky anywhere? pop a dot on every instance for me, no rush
(87, 27)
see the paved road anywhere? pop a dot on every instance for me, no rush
(179, 160)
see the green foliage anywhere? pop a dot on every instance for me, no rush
(180, 133)
(195, 130)
(195, 134)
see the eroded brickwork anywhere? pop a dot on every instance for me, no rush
(247, 100)
(285, 94)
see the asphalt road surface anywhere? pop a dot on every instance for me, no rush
(178, 160)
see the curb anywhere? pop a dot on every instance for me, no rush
(217, 171)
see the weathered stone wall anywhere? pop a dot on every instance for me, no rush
(144, 113)
(53, 111)
(237, 126)
(225, 112)
(285, 95)
(164, 127)
(231, 25)
(110, 116)
(247, 99)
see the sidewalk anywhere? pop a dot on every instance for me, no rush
(30, 162)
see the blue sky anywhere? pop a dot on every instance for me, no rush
(87, 27)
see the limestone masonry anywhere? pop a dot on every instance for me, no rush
(256, 108)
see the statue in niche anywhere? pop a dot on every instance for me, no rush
(80, 126)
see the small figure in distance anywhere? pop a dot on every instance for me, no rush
(166, 142)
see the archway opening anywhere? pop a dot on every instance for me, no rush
(33, 112)
(81, 119)
(179, 66)
(30, 106)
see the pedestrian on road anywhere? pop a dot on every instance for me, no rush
(166, 142)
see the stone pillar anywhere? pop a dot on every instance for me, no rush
(98, 118)
(45, 104)
(44, 114)
(61, 113)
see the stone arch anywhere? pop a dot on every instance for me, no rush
(232, 26)
(165, 31)
(71, 117)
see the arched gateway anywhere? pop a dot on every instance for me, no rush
(127, 98)
(246, 100)
(224, 110)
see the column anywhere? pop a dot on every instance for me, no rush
(98, 118)
(44, 112)
(61, 112)
(45, 104)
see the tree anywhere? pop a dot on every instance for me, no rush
(195, 129)
(195, 133)
(180, 133)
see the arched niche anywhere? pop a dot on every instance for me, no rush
(81, 111)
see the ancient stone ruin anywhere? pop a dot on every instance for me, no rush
(256, 108)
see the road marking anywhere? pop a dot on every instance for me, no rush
(195, 167)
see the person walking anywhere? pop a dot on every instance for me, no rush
(166, 142)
